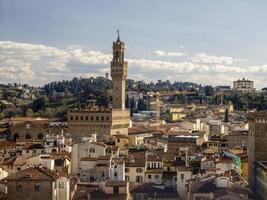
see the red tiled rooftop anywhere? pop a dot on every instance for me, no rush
(32, 174)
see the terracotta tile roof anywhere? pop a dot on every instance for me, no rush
(116, 183)
(99, 144)
(135, 160)
(204, 187)
(9, 160)
(3, 130)
(155, 191)
(7, 144)
(154, 171)
(107, 157)
(154, 158)
(32, 174)
(140, 130)
(89, 159)
(99, 195)
(21, 160)
(33, 146)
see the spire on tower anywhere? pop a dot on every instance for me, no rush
(118, 32)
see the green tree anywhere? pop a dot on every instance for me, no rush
(29, 112)
(2, 115)
(40, 103)
(209, 91)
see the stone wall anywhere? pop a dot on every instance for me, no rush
(28, 190)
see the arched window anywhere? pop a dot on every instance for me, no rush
(16, 137)
(117, 56)
(40, 136)
(54, 151)
(108, 151)
(28, 136)
(92, 150)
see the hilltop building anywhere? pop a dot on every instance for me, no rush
(243, 85)
(110, 121)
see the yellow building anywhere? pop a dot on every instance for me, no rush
(177, 113)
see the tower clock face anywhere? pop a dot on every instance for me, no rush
(28, 126)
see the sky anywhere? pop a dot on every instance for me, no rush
(204, 41)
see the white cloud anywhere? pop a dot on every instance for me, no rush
(167, 53)
(39, 64)
(211, 59)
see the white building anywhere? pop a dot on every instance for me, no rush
(183, 175)
(57, 143)
(89, 151)
(243, 85)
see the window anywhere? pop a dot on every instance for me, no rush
(149, 176)
(97, 118)
(102, 118)
(92, 150)
(18, 187)
(28, 136)
(139, 179)
(127, 178)
(182, 176)
(139, 170)
(107, 118)
(127, 170)
(71, 118)
(118, 140)
(40, 136)
(108, 151)
(92, 118)
(81, 118)
(37, 187)
(86, 118)
(76, 118)
(61, 184)
(156, 176)
(115, 174)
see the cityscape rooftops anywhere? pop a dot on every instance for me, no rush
(32, 174)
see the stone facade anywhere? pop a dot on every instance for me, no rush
(36, 183)
(257, 142)
(105, 122)
(27, 190)
(23, 129)
(261, 180)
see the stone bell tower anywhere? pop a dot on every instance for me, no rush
(118, 69)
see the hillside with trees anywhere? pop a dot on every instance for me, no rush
(54, 99)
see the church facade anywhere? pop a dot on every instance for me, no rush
(103, 121)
